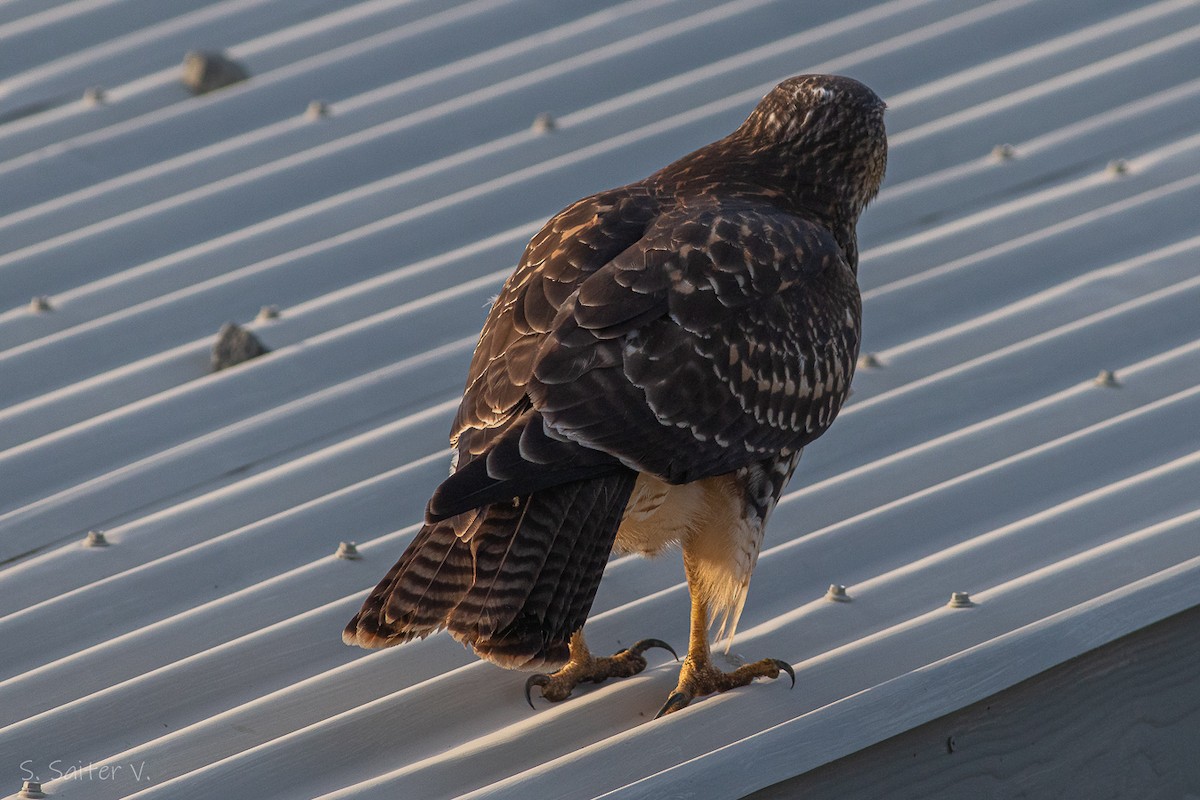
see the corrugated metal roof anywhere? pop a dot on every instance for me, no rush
(200, 651)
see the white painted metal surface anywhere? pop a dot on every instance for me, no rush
(199, 652)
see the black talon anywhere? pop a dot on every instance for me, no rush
(676, 701)
(645, 644)
(535, 680)
(786, 667)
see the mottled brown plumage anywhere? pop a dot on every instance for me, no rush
(676, 341)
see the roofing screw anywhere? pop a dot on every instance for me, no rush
(1106, 379)
(960, 600)
(95, 539)
(869, 361)
(348, 551)
(316, 110)
(40, 304)
(544, 123)
(93, 96)
(31, 789)
(1004, 152)
(1117, 167)
(837, 593)
(268, 312)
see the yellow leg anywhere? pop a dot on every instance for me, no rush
(697, 676)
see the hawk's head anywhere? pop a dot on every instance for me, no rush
(827, 132)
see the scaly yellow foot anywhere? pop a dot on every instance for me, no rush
(583, 666)
(697, 679)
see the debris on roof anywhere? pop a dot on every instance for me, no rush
(235, 345)
(207, 72)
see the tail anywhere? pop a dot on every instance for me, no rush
(512, 580)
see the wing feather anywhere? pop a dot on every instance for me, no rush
(685, 343)
(741, 348)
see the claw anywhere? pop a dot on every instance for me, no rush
(786, 667)
(535, 680)
(676, 701)
(645, 644)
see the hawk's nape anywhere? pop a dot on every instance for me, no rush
(648, 376)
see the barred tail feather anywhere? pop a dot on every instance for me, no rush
(513, 582)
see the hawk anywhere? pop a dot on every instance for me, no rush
(648, 378)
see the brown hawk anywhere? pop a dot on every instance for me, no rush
(648, 377)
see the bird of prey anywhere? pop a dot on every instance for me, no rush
(648, 377)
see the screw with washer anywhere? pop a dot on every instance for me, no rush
(348, 551)
(869, 361)
(1004, 152)
(31, 789)
(95, 539)
(960, 600)
(837, 593)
